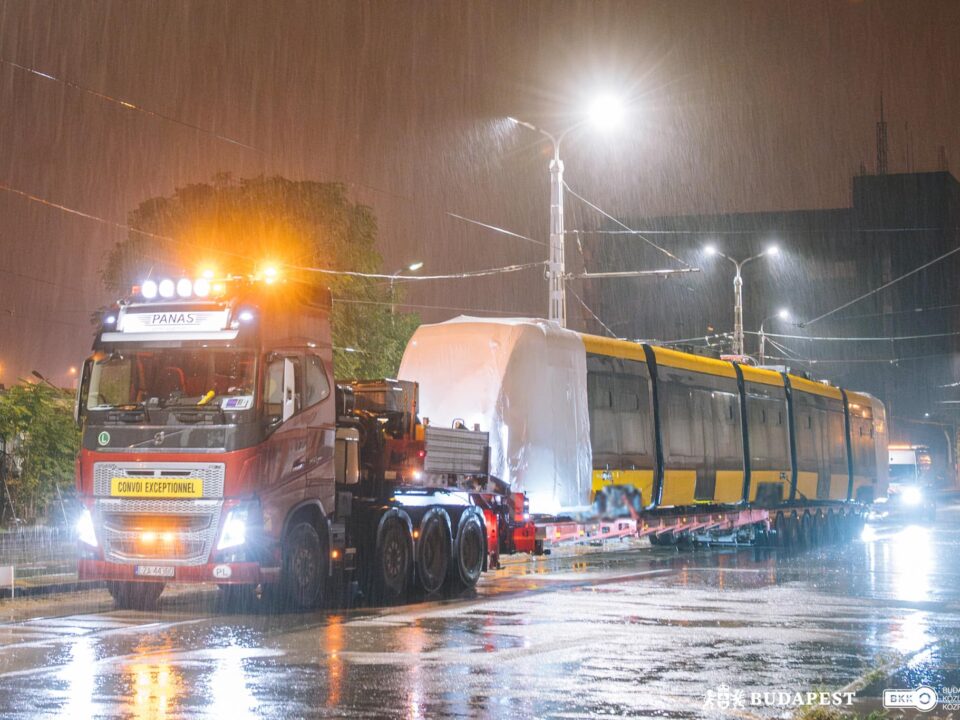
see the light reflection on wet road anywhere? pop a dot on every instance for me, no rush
(635, 633)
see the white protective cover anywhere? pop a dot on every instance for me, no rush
(522, 380)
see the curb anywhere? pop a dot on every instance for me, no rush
(52, 588)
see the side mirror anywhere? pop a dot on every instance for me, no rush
(83, 388)
(289, 389)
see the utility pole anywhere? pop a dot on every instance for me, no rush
(556, 268)
(772, 251)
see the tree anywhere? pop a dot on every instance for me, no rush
(36, 424)
(238, 227)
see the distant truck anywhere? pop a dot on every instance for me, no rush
(911, 490)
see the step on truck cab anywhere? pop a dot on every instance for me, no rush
(217, 447)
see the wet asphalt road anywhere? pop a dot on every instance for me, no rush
(635, 632)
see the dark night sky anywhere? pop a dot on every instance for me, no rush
(739, 106)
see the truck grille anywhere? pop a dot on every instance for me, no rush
(174, 532)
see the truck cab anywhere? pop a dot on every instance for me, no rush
(911, 492)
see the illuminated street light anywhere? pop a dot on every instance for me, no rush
(711, 250)
(604, 113)
(412, 267)
(781, 314)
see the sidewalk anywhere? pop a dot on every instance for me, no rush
(44, 561)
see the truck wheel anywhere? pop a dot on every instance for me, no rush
(135, 595)
(304, 568)
(468, 553)
(433, 551)
(393, 560)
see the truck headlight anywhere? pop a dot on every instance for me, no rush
(85, 531)
(912, 496)
(234, 531)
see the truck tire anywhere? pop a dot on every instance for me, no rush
(135, 595)
(303, 582)
(468, 552)
(392, 561)
(433, 550)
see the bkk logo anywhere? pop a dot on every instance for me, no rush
(922, 698)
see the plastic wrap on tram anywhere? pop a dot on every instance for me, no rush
(523, 381)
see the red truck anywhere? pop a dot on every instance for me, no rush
(217, 447)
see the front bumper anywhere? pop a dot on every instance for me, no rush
(240, 573)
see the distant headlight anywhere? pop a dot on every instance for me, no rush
(912, 496)
(234, 531)
(85, 532)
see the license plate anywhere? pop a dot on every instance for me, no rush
(165, 571)
(156, 487)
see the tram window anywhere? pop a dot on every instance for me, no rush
(599, 393)
(678, 420)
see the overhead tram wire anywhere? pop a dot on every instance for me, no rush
(328, 271)
(624, 226)
(716, 232)
(509, 313)
(593, 314)
(169, 118)
(495, 228)
(882, 287)
(827, 338)
(128, 105)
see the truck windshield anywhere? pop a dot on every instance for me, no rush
(903, 473)
(171, 377)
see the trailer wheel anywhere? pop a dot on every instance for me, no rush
(304, 568)
(806, 531)
(781, 531)
(393, 560)
(468, 553)
(796, 531)
(820, 534)
(433, 551)
(135, 595)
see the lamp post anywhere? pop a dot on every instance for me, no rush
(412, 267)
(782, 314)
(771, 251)
(606, 111)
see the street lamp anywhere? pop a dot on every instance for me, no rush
(412, 267)
(604, 113)
(781, 314)
(771, 251)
